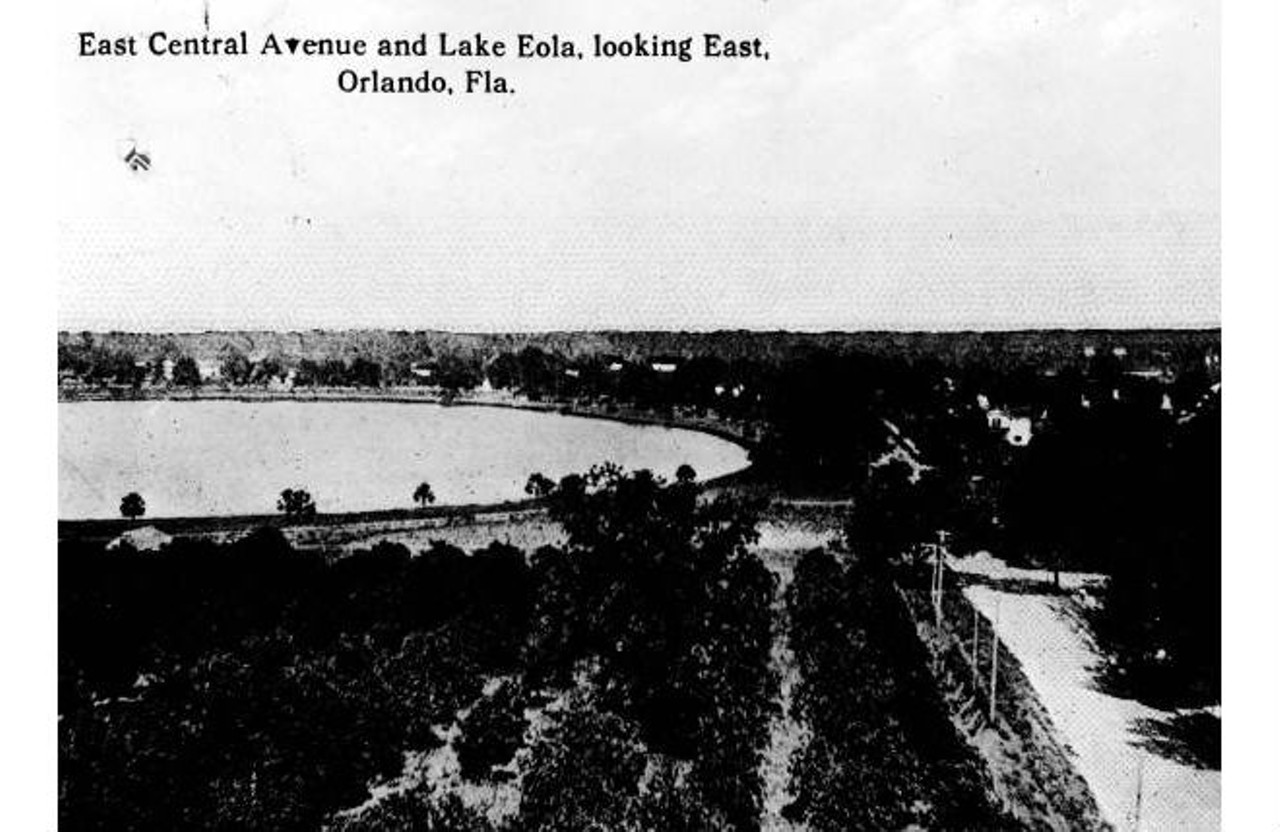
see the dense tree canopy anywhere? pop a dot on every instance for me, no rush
(186, 373)
(133, 506)
(296, 503)
(423, 495)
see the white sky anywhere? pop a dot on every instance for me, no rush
(896, 163)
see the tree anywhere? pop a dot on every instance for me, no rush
(296, 503)
(133, 506)
(1160, 618)
(491, 733)
(308, 373)
(456, 374)
(887, 516)
(186, 373)
(649, 580)
(415, 809)
(539, 486)
(685, 474)
(825, 416)
(422, 495)
(504, 372)
(236, 368)
(268, 369)
(365, 373)
(156, 371)
(583, 772)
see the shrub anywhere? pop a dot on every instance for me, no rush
(492, 732)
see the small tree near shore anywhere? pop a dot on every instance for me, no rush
(133, 506)
(296, 503)
(423, 495)
(186, 373)
(539, 486)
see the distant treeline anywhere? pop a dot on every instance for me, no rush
(387, 347)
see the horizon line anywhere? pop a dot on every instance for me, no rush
(871, 330)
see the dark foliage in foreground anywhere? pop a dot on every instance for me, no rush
(661, 591)
(884, 753)
(256, 687)
(1161, 620)
(491, 733)
(414, 811)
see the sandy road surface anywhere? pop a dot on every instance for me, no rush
(1057, 656)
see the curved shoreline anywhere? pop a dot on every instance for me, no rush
(714, 428)
(105, 528)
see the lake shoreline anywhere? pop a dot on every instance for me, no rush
(103, 528)
(745, 436)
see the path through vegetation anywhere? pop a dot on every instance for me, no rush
(780, 546)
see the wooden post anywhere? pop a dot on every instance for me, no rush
(995, 661)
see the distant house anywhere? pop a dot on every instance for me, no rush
(209, 370)
(612, 363)
(1019, 432)
(664, 365)
(283, 381)
(571, 372)
(424, 371)
(1017, 429)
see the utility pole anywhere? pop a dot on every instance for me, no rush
(973, 655)
(935, 589)
(995, 661)
(1137, 805)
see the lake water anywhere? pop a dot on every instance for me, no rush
(224, 457)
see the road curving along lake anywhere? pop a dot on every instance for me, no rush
(218, 458)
